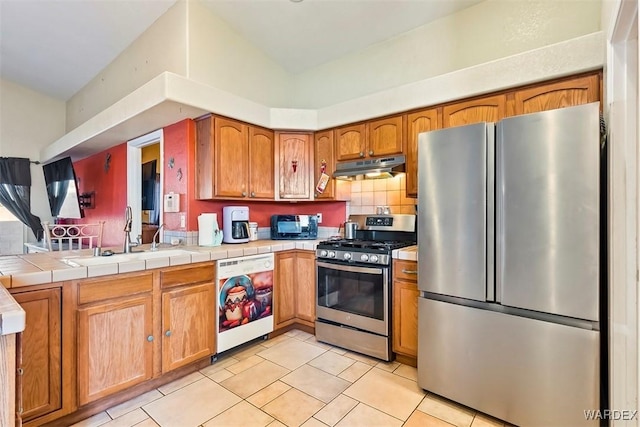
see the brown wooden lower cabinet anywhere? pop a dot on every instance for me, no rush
(115, 346)
(284, 294)
(42, 352)
(405, 308)
(294, 288)
(188, 319)
(306, 286)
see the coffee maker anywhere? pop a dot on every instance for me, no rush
(235, 224)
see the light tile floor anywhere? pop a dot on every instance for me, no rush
(292, 380)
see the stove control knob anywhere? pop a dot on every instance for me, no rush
(373, 258)
(323, 253)
(364, 257)
(347, 255)
(332, 254)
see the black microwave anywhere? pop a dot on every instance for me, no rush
(293, 227)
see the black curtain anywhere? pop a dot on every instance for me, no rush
(58, 175)
(15, 191)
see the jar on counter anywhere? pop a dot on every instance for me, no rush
(253, 231)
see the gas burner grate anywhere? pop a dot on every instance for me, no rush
(366, 244)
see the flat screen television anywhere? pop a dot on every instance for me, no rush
(62, 189)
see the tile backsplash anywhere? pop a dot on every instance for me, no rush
(367, 194)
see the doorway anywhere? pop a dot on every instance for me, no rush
(624, 213)
(145, 149)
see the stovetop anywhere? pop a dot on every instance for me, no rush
(358, 251)
(365, 244)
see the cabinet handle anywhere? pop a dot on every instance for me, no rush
(253, 194)
(371, 152)
(167, 334)
(361, 154)
(20, 371)
(150, 338)
(409, 271)
(244, 194)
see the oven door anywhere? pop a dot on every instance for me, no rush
(354, 296)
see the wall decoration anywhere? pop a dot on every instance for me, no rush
(171, 163)
(179, 174)
(107, 162)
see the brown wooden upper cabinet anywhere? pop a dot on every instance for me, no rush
(324, 159)
(351, 142)
(420, 121)
(374, 138)
(293, 151)
(567, 93)
(487, 109)
(233, 160)
(386, 136)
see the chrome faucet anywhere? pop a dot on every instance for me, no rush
(154, 245)
(128, 220)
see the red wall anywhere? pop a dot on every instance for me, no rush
(179, 145)
(110, 186)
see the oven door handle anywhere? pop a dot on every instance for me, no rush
(350, 268)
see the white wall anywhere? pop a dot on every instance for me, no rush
(30, 121)
(162, 47)
(621, 105)
(488, 31)
(221, 58)
(192, 42)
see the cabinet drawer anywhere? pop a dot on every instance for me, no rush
(187, 275)
(114, 287)
(407, 270)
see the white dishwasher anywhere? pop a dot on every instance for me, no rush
(245, 289)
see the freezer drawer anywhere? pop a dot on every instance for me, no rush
(524, 371)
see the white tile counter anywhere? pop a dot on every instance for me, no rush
(410, 253)
(47, 267)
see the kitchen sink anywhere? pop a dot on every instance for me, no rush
(117, 258)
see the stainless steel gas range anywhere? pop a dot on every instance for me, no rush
(354, 284)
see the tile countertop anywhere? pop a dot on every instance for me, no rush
(410, 253)
(48, 267)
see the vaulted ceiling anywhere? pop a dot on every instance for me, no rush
(57, 46)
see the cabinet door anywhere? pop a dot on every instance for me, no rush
(351, 142)
(568, 93)
(115, 349)
(489, 109)
(295, 174)
(306, 286)
(405, 317)
(41, 352)
(324, 153)
(204, 158)
(386, 136)
(188, 332)
(231, 154)
(420, 121)
(261, 163)
(284, 302)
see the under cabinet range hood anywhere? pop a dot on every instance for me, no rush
(375, 168)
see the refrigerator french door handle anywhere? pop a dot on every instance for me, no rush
(499, 214)
(490, 212)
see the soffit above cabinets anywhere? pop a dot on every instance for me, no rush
(170, 98)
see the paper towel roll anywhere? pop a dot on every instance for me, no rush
(207, 226)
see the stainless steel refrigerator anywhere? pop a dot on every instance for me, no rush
(509, 266)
